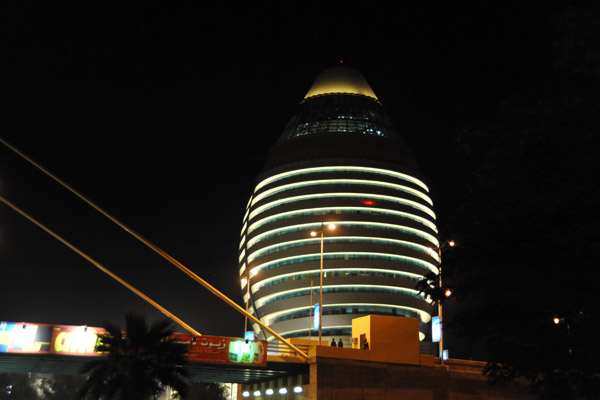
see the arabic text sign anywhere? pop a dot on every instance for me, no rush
(224, 350)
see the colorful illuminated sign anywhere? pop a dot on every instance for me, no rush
(75, 340)
(224, 350)
(23, 337)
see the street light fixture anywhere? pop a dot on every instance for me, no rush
(314, 234)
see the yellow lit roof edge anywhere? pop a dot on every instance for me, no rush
(340, 80)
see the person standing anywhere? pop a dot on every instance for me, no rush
(340, 343)
(333, 342)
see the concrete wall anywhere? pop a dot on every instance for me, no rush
(342, 379)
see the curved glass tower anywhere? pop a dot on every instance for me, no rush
(338, 161)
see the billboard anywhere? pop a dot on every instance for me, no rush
(224, 350)
(436, 329)
(21, 337)
(24, 337)
(69, 340)
(75, 340)
(317, 317)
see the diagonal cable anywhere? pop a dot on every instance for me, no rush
(161, 252)
(99, 266)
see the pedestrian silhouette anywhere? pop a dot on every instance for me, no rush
(333, 342)
(340, 344)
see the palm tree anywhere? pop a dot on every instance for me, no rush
(429, 286)
(140, 363)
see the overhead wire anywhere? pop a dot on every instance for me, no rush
(100, 266)
(159, 251)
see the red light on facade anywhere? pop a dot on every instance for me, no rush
(368, 202)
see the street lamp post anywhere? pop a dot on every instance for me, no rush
(447, 294)
(310, 317)
(247, 282)
(441, 343)
(314, 233)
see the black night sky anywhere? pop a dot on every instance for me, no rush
(163, 113)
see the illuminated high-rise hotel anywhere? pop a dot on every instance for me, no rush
(340, 161)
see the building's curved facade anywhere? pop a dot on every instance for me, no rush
(339, 160)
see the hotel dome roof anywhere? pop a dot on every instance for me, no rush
(341, 121)
(340, 80)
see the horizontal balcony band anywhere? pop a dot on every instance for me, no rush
(341, 195)
(366, 225)
(345, 210)
(338, 182)
(371, 170)
(304, 258)
(400, 244)
(333, 272)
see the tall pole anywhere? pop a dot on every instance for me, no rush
(314, 234)
(309, 311)
(247, 300)
(446, 294)
(321, 290)
(441, 344)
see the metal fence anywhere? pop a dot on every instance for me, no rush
(279, 349)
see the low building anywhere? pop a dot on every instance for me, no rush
(391, 368)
